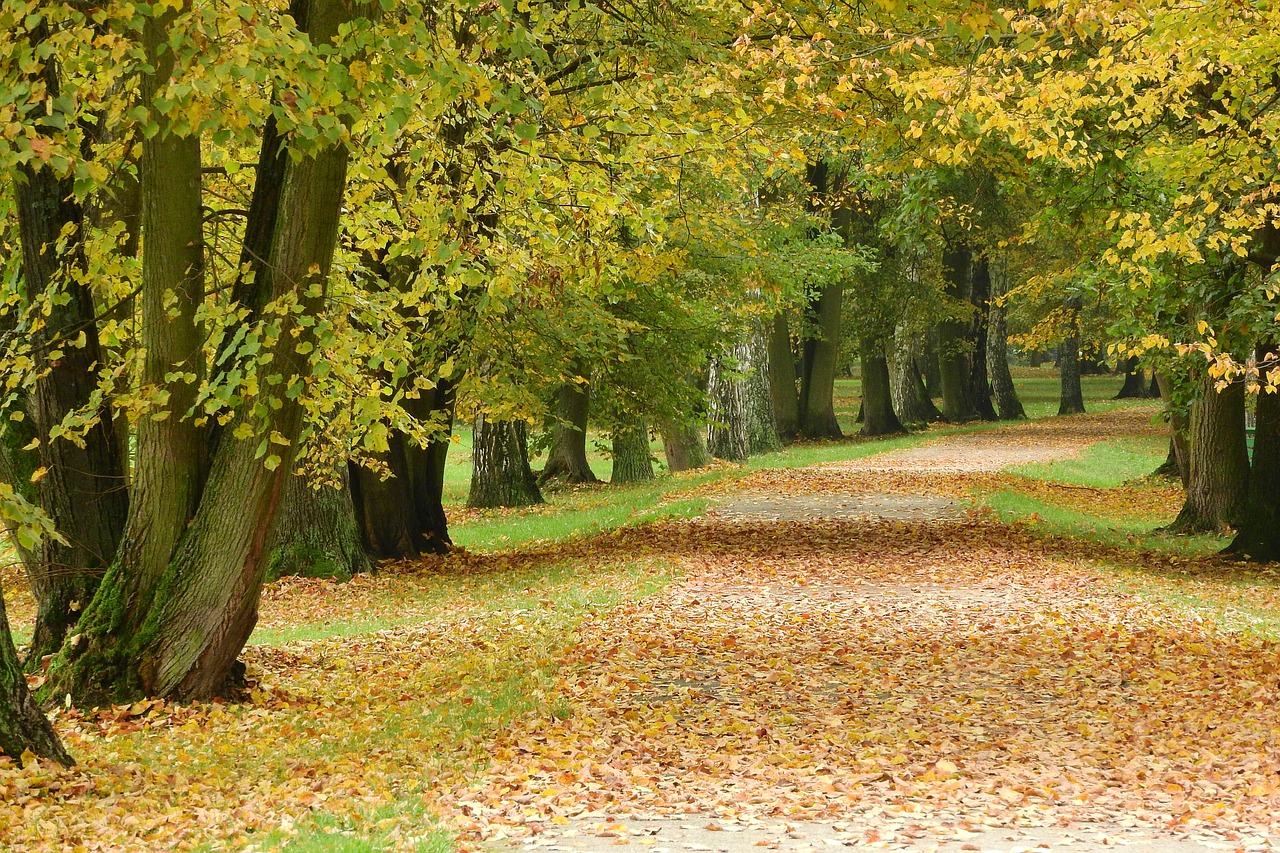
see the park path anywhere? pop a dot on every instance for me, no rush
(855, 659)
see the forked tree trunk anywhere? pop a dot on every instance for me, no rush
(980, 298)
(1259, 536)
(567, 458)
(1008, 406)
(632, 462)
(782, 380)
(818, 367)
(23, 726)
(316, 534)
(178, 634)
(1219, 461)
(878, 417)
(500, 472)
(910, 398)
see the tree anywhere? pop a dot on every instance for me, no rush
(180, 598)
(23, 726)
(500, 474)
(1259, 531)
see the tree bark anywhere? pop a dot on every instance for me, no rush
(400, 509)
(927, 363)
(1259, 536)
(1135, 382)
(726, 428)
(782, 380)
(683, 446)
(1219, 461)
(877, 399)
(316, 534)
(83, 488)
(907, 388)
(1179, 430)
(22, 724)
(632, 462)
(1072, 394)
(953, 340)
(1008, 406)
(178, 635)
(567, 459)
(500, 472)
(818, 368)
(979, 292)
(762, 432)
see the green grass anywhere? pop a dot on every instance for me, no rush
(1128, 533)
(1103, 465)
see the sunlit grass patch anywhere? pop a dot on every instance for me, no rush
(1105, 464)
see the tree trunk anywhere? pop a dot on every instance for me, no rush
(22, 724)
(400, 508)
(726, 428)
(927, 363)
(1259, 536)
(316, 534)
(953, 341)
(177, 635)
(762, 432)
(1008, 405)
(782, 380)
(1135, 383)
(1219, 461)
(426, 466)
(632, 462)
(500, 472)
(567, 459)
(1179, 430)
(683, 446)
(907, 388)
(818, 368)
(877, 399)
(83, 488)
(1072, 395)
(980, 298)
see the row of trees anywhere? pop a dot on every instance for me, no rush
(251, 251)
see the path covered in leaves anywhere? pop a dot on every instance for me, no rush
(852, 660)
(849, 655)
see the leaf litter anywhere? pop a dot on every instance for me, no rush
(907, 681)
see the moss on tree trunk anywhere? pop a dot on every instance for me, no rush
(316, 534)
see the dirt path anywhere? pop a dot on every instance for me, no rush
(857, 663)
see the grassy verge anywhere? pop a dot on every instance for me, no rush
(1104, 465)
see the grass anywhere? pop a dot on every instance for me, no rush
(1103, 465)
(1106, 529)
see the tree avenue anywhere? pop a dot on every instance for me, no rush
(259, 260)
